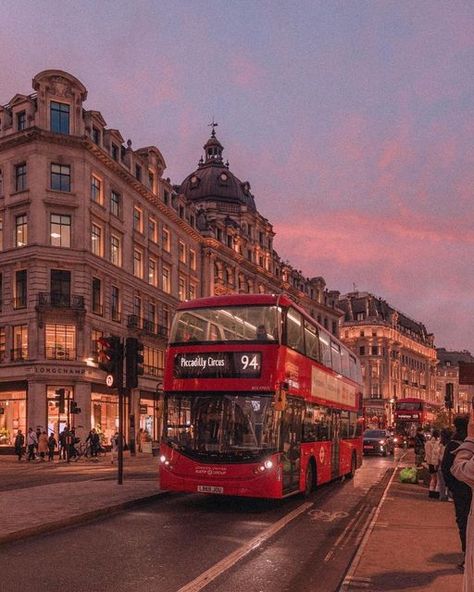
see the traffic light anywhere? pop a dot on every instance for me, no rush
(110, 357)
(74, 408)
(133, 361)
(59, 397)
(449, 396)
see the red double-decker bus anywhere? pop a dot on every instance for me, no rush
(260, 400)
(410, 414)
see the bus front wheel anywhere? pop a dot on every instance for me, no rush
(309, 479)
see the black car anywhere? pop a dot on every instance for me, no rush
(378, 442)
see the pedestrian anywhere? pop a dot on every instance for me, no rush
(51, 447)
(114, 443)
(140, 439)
(94, 442)
(19, 445)
(72, 441)
(432, 458)
(419, 446)
(463, 470)
(460, 492)
(31, 443)
(43, 445)
(63, 444)
(445, 437)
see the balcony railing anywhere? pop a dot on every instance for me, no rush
(59, 300)
(19, 354)
(148, 327)
(60, 353)
(152, 370)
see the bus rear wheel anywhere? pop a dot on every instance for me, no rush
(309, 479)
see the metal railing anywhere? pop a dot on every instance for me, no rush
(60, 353)
(60, 300)
(148, 327)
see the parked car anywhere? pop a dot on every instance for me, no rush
(378, 442)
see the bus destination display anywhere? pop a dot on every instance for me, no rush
(218, 365)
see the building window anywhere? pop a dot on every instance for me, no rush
(166, 198)
(181, 288)
(60, 287)
(21, 121)
(182, 252)
(151, 315)
(1, 291)
(115, 152)
(60, 342)
(166, 317)
(165, 238)
(60, 177)
(115, 201)
(192, 259)
(115, 250)
(152, 274)
(60, 230)
(20, 177)
(96, 334)
(59, 117)
(138, 172)
(362, 350)
(192, 291)
(21, 231)
(115, 303)
(374, 350)
(96, 190)
(20, 343)
(20, 289)
(153, 361)
(165, 279)
(97, 307)
(3, 344)
(1, 234)
(1, 182)
(96, 240)
(360, 316)
(137, 219)
(137, 307)
(153, 230)
(96, 135)
(137, 263)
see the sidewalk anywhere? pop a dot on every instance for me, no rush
(34, 510)
(412, 544)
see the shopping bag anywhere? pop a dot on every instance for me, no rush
(408, 475)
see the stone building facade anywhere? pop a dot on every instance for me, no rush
(448, 371)
(94, 241)
(397, 355)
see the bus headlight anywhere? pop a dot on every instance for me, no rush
(268, 464)
(162, 458)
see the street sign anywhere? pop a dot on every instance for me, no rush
(109, 380)
(466, 372)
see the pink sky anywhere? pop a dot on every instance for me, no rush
(353, 122)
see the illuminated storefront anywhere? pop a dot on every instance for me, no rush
(12, 415)
(58, 421)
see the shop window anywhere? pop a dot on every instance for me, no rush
(60, 342)
(104, 415)
(58, 421)
(12, 416)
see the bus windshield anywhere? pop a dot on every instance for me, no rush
(226, 428)
(231, 323)
(414, 406)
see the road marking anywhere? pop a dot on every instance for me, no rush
(219, 568)
(341, 537)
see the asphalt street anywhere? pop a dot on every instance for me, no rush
(188, 542)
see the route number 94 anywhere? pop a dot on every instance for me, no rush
(250, 363)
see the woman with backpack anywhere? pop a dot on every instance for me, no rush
(432, 448)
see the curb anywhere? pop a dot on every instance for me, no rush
(77, 519)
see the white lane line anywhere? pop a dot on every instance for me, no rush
(342, 536)
(219, 568)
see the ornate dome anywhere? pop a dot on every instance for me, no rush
(212, 180)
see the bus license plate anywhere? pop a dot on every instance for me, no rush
(210, 489)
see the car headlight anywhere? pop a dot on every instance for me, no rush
(381, 441)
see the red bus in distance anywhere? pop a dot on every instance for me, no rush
(260, 400)
(409, 415)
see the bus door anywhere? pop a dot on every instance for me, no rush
(335, 447)
(290, 443)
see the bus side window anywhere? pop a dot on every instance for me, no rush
(336, 357)
(344, 425)
(345, 363)
(324, 424)
(311, 341)
(310, 432)
(325, 349)
(294, 330)
(352, 368)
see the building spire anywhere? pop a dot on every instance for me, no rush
(213, 124)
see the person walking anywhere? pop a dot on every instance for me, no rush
(445, 437)
(51, 447)
(114, 443)
(432, 458)
(43, 445)
(19, 445)
(460, 492)
(31, 443)
(419, 446)
(140, 439)
(463, 470)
